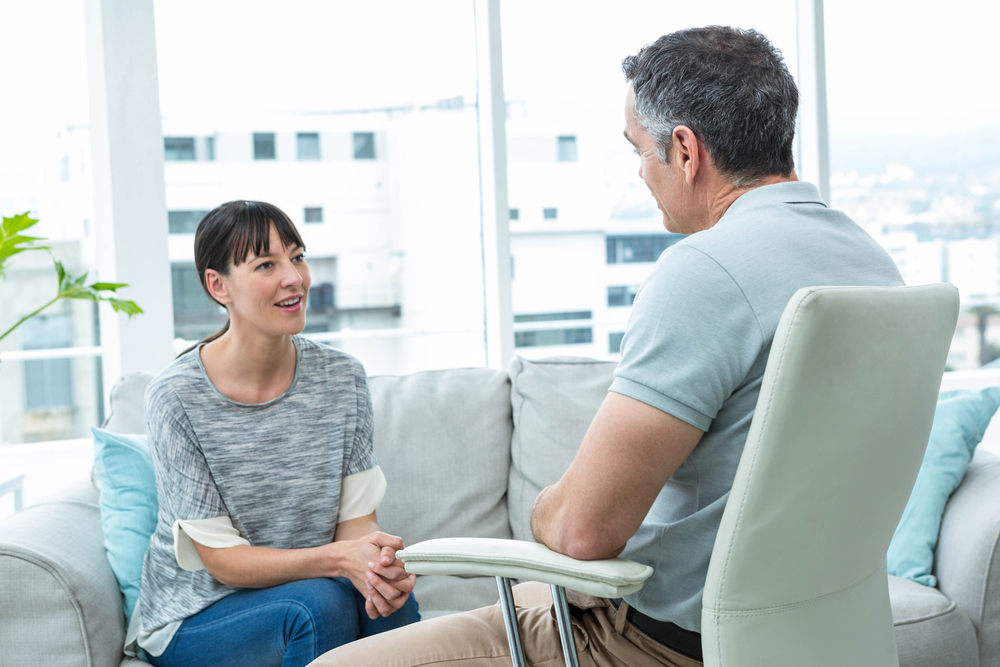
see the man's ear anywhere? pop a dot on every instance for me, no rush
(686, 152)
(216, 287)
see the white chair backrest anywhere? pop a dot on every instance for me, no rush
(797, 576)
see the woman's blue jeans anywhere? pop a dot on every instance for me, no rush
(288, 626)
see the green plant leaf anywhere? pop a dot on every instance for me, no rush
(12, 242)
(18, 223)
(71, 287)
(130, 308)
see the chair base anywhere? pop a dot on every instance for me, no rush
(514, 634)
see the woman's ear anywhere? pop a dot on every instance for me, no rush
(217, 287)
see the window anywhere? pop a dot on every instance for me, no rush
(178, 149)
(515, 214)
(615, 342)
(546, 337)
(263, 146)
(567, 149)
(938, 220)
(639, 248)
(362, 277)
(549, 213)
(48, 383)
(308, 144)
(621, 295)
(322, 297)
(364, 145)
(553, 317)
(184, 222)
(189, 296)
(195, 315)
(210, 149)
(314, 214)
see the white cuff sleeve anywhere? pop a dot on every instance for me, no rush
(360, 494)
(217, 533)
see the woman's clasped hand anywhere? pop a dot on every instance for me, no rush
(377, 574)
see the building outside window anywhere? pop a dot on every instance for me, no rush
(615, 342)
(322, 297)
(621, 295)
(210, 149)
(184, 222)
(263, 146)
(308, 146)
(195, 315)
(313, 214)
(553, 317)
(550, 213)
(639, 247)
(48, 383)
(567, 149)
(364, 145)
(547, 337)
(178, 149)
(515, 214)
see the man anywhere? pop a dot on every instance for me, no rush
(711, 114)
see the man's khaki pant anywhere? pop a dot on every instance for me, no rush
(477, 638)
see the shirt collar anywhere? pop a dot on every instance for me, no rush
(789, 192)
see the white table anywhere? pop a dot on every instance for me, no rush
(12, 482)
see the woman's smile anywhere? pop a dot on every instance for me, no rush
(290, 305)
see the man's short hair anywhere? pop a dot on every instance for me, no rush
(730, 87)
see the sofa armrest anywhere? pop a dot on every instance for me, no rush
(61, 604)
(967, 558)
(514, 559)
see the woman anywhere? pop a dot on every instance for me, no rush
(267, 549)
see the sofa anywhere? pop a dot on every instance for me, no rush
(464, 451)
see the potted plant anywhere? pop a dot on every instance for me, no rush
(13, 242)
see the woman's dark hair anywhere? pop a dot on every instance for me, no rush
(229, 233)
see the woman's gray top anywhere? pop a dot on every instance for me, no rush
(274, 468)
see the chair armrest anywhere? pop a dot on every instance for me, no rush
(514, 559)
(967, 558)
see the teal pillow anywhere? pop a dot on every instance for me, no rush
(124, 471)
(960, 421)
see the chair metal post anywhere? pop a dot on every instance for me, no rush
(565, 625)
(510, 621)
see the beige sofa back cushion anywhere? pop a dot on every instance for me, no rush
(553, 401)
(442, 439)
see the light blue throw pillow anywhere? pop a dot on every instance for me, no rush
(960, 421)
(125, 478)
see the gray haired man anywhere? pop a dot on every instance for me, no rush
(711, 115)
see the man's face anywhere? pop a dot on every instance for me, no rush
(660, 178)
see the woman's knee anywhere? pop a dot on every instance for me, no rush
(321, 606)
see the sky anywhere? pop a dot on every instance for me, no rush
(917, 85)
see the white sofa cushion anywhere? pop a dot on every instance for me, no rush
(127, 413)
(442, 439)
(931, 631)
(553, 401)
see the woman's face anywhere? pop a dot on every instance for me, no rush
(269, 292)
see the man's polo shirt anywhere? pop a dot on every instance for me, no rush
(696, 346)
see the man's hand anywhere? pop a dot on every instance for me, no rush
(629, 452)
